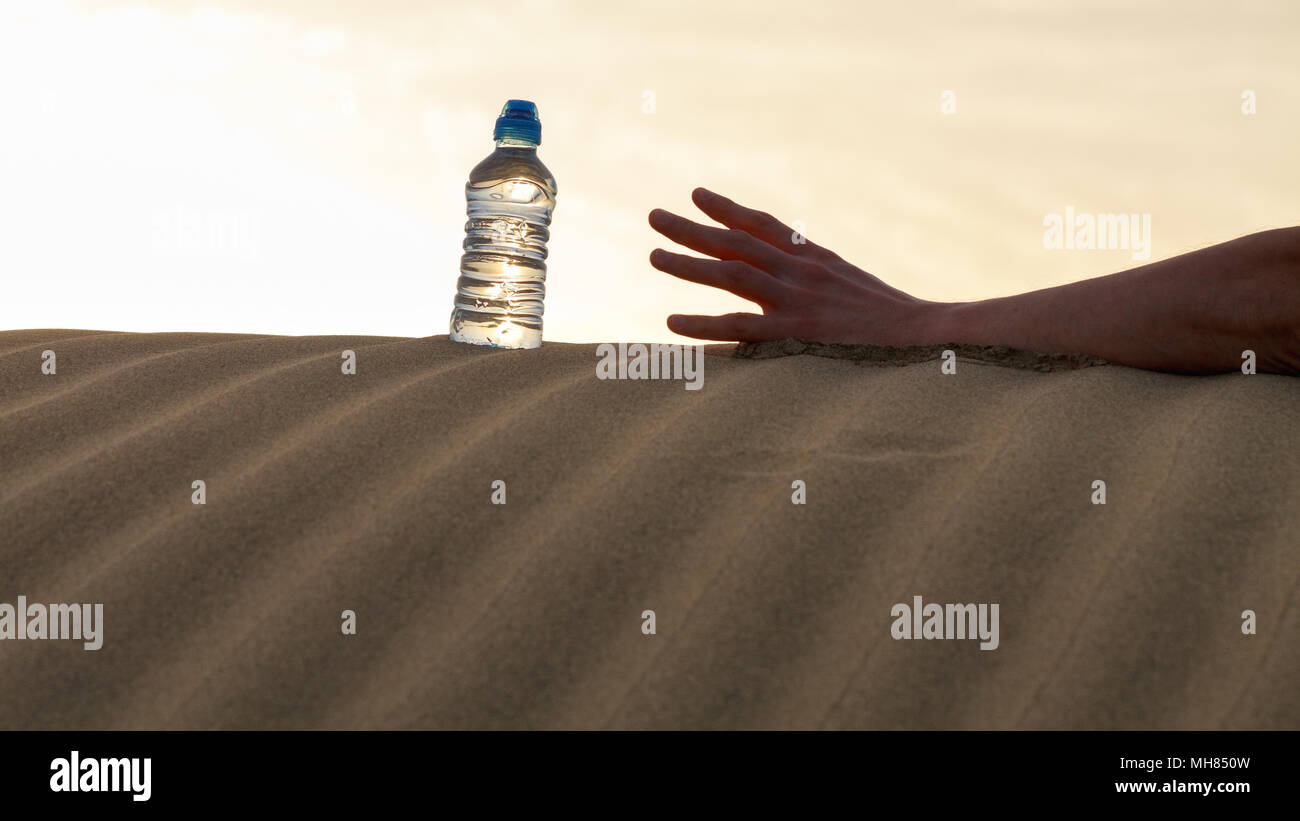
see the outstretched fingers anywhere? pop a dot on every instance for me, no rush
(723, 243)
(740, 278)
(760, 224)
(739, 327)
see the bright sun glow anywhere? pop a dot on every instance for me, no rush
(299, 167)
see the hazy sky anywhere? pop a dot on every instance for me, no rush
(298, 167)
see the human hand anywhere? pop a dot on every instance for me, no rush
(805, 290)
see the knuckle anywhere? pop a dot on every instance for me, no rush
(735, 323)
(736, 237)
(809, 269)
(733, 271)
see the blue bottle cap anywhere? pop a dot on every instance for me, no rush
(519, 121)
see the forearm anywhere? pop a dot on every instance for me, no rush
(1194, 313)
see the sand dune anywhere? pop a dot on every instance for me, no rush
(371, 492)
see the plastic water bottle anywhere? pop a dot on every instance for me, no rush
(509, 199)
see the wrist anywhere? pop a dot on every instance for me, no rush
(940, 322)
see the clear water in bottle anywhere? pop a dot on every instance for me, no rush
(509, 199)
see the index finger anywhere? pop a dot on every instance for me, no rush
(758, 223)
(723, 243)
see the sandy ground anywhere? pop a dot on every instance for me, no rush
(372, 493)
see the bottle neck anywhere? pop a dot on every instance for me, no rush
(511, 142)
